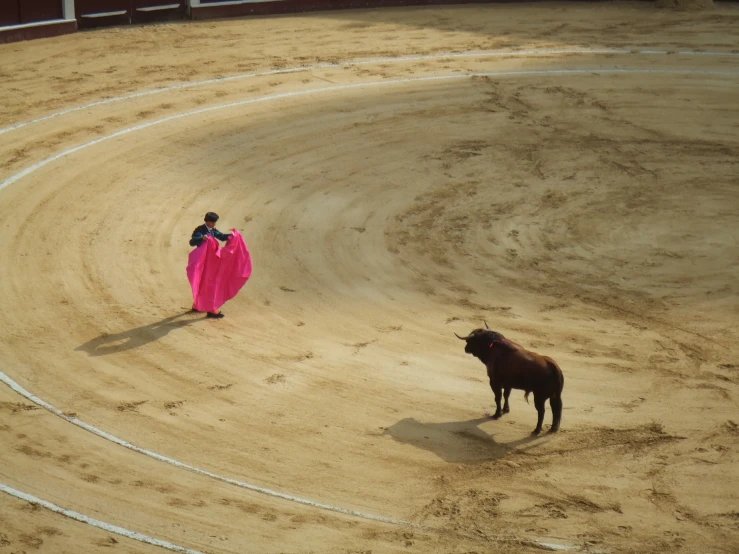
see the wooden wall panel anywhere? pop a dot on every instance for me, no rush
(87, 12)
(157, 10)
(10, 12)
(33, 11)
(209, 11)
(101, 6)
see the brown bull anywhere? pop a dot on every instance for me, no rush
(510, 366)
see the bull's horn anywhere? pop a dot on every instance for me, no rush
(486, 324)
(461, 338)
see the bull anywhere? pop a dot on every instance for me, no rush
(510, 366)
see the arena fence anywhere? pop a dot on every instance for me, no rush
(26, 19)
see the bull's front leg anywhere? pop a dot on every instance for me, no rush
(498, 392)
(506, 394)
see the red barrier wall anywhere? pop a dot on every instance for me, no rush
(92, 13)
(95, 13)
(16, 34)
(10, 12)
(18, 12)
(204, 11)
(33, 11)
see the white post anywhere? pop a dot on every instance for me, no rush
(68, 9)
(194, 3)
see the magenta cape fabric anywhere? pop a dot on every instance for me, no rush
(217, 273)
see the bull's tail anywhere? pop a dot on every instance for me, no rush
(557, 374)
(526, 396)
(556, 399)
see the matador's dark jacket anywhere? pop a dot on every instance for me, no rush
(199, 234)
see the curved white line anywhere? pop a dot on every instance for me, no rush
(95, 522)
(100, 433)
(42, 163)
(450, 55)
(23, 392)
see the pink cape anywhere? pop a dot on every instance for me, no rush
(217, 273)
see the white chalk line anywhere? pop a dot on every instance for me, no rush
(278, 96)
(421, 57)
(100, 433)
(95, 522)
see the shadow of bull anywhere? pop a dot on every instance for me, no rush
(454, 441)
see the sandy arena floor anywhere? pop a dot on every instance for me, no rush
(585, 204)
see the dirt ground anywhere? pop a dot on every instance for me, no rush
(589, 215)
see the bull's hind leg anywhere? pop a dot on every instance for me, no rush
(497, 391)
(556, 404)
(506, 406)
(539, 402)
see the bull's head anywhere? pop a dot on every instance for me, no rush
(480, 341)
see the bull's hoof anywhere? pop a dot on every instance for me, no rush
(536, 432)
(554, 429)
(496, 415)
(506, 410)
